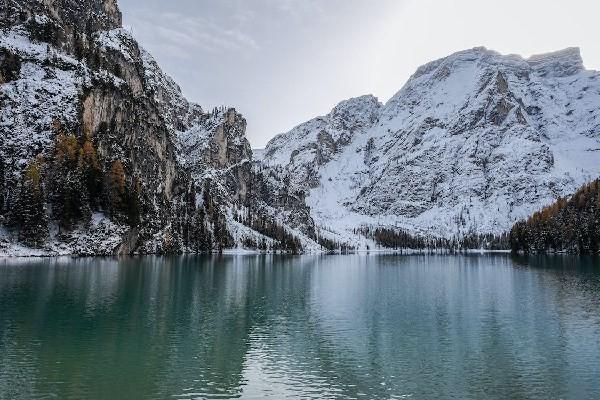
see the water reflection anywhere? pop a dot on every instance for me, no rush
(300, 327)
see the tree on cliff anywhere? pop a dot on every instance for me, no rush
(202, 236)
(31, 215)
(91, 173)
(2, 186)
(69, 198)
(115, 189)
(122, 201)
(219, 229)
(133, 206)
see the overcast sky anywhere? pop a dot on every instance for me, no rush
(282, 62)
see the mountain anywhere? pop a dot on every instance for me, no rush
(100, 153)
(471, 144)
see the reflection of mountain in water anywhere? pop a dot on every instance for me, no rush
(310, 327)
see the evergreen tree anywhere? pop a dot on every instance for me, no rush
(202, 237)
(207, 198)
(188, 218)
(91, 173)
(31, 214)
(2, 186)
(69, 198)
(115, 189)
(219, 229)
(133, 203)
(208, 242)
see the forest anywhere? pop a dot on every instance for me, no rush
(569, 225)
(58, 194)
(67, 187)
(390, 238)
(282, 240)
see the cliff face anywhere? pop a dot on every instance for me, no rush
(78, 77)
(471, 144)
(60, 23)
(100, 153)
(76, 86)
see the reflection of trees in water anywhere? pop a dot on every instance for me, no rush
(466, 323)
(156, 326)
(139, 326)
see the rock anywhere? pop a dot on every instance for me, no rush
(69, 66)
(10, 66)
(471, 144)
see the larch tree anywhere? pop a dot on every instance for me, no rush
(570, 225)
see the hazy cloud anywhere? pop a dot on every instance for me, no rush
(281, 62)
(190, 33)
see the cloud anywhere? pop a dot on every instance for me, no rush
(299, 8)
(175, 30)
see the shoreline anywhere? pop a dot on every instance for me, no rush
(41, 254)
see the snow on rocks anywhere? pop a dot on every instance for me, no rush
(471, 144)
(100, 236)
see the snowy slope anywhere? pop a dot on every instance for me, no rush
(69, 66)
(471, 144)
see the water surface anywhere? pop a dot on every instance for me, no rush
(333, 327)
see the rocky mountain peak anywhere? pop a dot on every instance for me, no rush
(68, 25)
(471, 143)
(366, 105)
(85, 15)
(555, 64)
(558, 64)
(164, 175)
(356, 113)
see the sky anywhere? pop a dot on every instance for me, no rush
(283, 62)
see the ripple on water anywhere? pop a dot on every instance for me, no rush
(346, 327)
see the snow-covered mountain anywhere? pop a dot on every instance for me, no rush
(472, 143)
(101, 153)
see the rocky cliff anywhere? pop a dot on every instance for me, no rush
(471, 144)
(100, 152)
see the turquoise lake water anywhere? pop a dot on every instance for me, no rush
(305, 327)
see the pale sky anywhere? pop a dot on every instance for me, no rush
(283, 62)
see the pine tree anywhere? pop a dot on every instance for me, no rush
(91, 173)
(2, 186)
(219, 229)
(115, 189)
(207, 199)
(202, 237)
(69, 198)
(208, 242)
(188, 217)
(31, 214)
(133, 203)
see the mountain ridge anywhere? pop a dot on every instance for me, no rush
(101, 153)
(475, 104)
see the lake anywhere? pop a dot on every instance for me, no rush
(310, 327)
